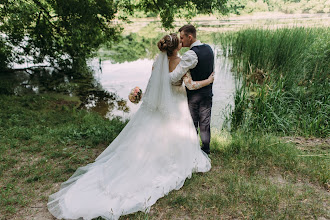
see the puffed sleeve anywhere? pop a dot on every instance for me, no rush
(188, 61)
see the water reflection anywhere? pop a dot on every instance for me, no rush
(48, 80)
(120, 78)
(106, 89)
(105, 103)
(131, 48)
(223, 90)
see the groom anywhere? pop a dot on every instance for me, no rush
(200, 61)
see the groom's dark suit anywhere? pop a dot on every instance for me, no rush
(200, 61)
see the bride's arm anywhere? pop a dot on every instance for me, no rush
(194, 85)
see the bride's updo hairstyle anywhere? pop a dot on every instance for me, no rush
(168, 43)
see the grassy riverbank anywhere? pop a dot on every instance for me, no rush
(45, 138)
(253, 177)
(285, 80)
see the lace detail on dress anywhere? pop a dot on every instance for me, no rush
(178, 83)
(190, 84)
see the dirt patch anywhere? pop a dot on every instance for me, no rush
(310, 142)
(60, 103)
(37, 211)
(314, 146)
(278, 179)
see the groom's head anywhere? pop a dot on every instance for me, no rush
(187, 35)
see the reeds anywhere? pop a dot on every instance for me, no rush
(285, 74)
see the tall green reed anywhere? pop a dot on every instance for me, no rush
(285, 79)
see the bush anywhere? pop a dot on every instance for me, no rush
(258, 6)
(5, 55)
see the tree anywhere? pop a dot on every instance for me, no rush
(65, 33)
(168, 9)
(236, 6)
(62, 32)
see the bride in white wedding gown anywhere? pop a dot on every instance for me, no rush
(154, 154)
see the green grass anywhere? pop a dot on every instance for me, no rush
(252, 177)
(255, 175)
(44, 139)
(285, 80)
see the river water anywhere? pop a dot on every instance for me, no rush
(122, 77)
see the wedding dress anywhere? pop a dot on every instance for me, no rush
(154, 154)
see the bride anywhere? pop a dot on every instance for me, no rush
(154, 154)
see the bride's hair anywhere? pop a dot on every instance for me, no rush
(168, 43)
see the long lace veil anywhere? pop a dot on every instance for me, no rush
(159, 93)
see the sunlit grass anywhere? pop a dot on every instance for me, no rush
(45, 139)
(252, 176)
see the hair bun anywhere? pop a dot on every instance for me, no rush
(168, 44)
(162, 45)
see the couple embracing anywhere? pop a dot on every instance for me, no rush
(159, 147)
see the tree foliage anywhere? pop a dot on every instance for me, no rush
(168, 9)
(61, 32)
(287, 6)
(65, 33)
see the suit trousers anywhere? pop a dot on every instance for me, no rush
(200, 109)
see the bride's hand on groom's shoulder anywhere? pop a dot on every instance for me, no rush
(211, 77)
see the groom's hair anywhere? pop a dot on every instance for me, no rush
(188, 29)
